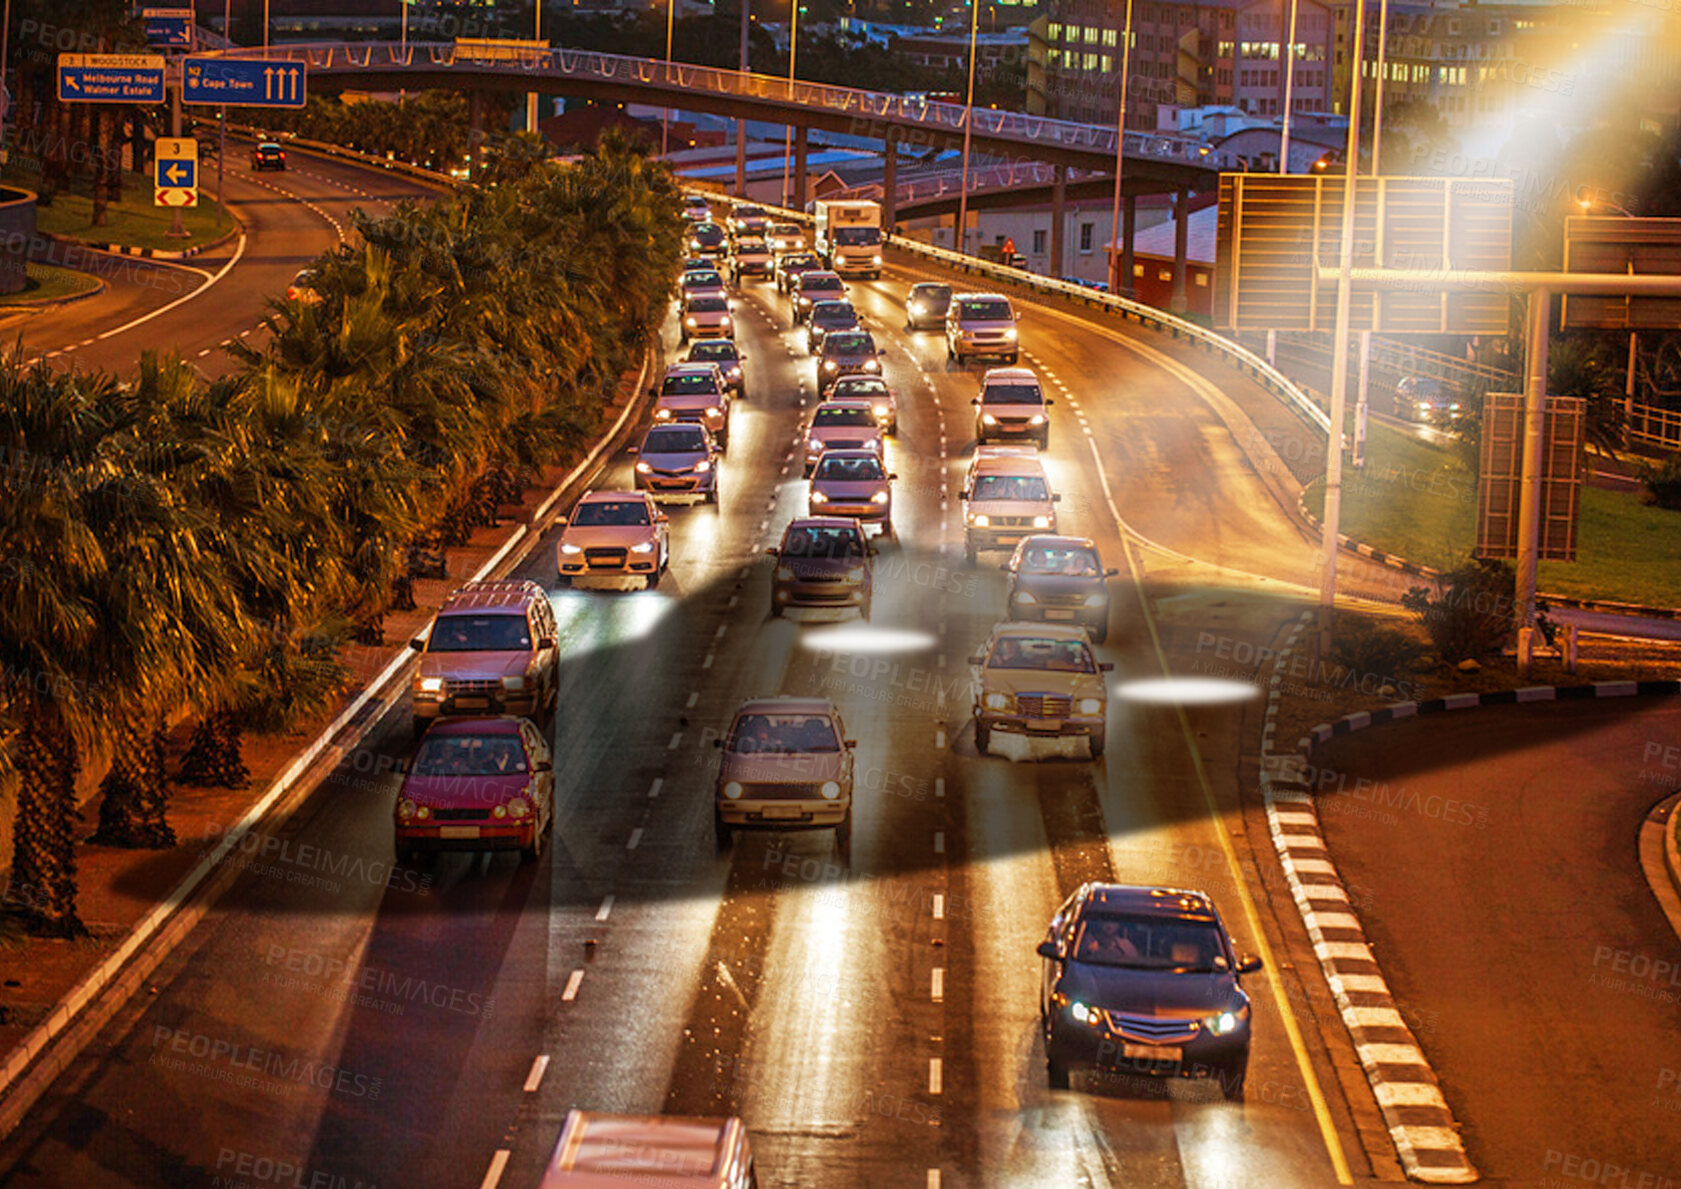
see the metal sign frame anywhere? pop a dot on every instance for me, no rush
(1612, 244)
(1499, 490)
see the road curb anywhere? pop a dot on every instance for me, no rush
(74, 1022)
(48, 303)
(1422, 1128)
(1660, 859)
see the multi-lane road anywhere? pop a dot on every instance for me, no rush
(873, 1021)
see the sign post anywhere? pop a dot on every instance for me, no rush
(175, 172)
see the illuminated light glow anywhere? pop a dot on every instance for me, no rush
(863, 638)
(1186, 691)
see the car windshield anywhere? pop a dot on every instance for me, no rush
(834, 314)
(984, 310)
(470, 755)
(717, 351)
(610, 512)
(480, 633)
(804, 260)
(749, 212)
(932, 297)
(1071, 562)
(833, 417)
(1012, 394)
(849, 470)
(782, 734)
(702, 279)
(830, 544)
(750, 245)
(854, 237)
(693, 385)
(792, 229)
(1030, 488)
(821, 285)
(1147, 943)
(709, 231)
(1034, 652)
(708, 304)
(860, 387)
(849, 343)
(674, 439)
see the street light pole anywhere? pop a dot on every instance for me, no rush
(960, 241)
(1360, 404)
(531, 96)
(1119, 283)
(741, 124)
(265, 24)
(788, 141)
(665, 112)
(1284, 136)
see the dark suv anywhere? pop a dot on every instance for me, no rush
(1146, 981)
(1060, 578)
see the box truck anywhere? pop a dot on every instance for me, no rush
(848, 236)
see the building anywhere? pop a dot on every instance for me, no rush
(1152, 262)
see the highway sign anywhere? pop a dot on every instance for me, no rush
(1610, 243)
(1500, 486)
(175, 166)
(246, 82)
(170, 28)
(110, 78)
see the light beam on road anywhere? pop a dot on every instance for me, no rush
(1186, 691)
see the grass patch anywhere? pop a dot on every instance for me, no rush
(133, 222)
(47, 282)
(1419, 501)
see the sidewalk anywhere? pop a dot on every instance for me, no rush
(119, 888)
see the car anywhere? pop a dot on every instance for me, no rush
(1144, 980)
(815, 285)
(302, 288)
(852, 483)
(726, 355)
(1012, 406)
(884, 402)
(676, 461)
(747, 219)
(696, 209)
(1060, 578)
(707, 239)
(268, 155)
(706, 316)
(981, 324)
(750, 257)
(1040, 680)
(614, 534)
(492, 648)
(840, 425)
(1426, 400)
(785, 237)
(790, 267)
(693, 263)
(926, 305)
(825, 316)
(1006, 497)
(477, 784)
(846, 353)
(787, 765)
(695, 392)
(702, 282)
(671, 1151)
(822, 561)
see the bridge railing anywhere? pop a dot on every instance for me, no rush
(867, 105)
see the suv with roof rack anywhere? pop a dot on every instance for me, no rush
(492, 649)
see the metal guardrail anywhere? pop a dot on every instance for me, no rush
(332, 150)
(937, 184)
(1654, 426)
(876, 105)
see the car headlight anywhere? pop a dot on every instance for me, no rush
(724, 321)
(662, 414)
(643, 468)
(875, 259)
(855, 574)
(1041, 522)
(734, 373)
(1090, 706)
(513, 683)
(1036, 419)
(830, 790)
(1083, 1014)
(880, 497)
(988, 419)
(732, 790)
(879, 410)
(405, 810)
(518, 807)
(422, 813)
(1096, 600)
(571, 550)
(642, 547)
(690, 322)
(916, 307)
(431, 685)
(996, 701)
(818, 497)
(784, 573)
(703, 466)
(981, 521)
(829, 365)
(1010, 334)
(872, 365)
(713, 410)
(1226, 1022)
(1027, 598)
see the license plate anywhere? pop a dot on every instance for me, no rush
(1059, 615)
(782, 812)
(458, 831)
(1152, 1053)
(472, 703)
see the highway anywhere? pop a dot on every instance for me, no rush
(873, 1022)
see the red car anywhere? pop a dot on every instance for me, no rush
(477, 784)
(268, 155)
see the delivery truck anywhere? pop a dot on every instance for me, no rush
(848, 236)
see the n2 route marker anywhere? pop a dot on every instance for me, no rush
(110, 78)
(243, 82)
(175, 162)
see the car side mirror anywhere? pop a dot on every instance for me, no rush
(1248, 964)
(892, 475)
(974, 400)
(546, 642)
(1110, 573)
(1105, 666)
(560, 520)
(977, 660)
(1049, 403)
(717, 743)
(1047, 949)
(773, 551)
(661, 518)
(418, 643)
(543, 766)
(1056, 498)
(851, 742)
(633, 449)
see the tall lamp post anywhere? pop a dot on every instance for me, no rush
(665, 112)
(960, 240)
(531, 96)
(1284, 135)
(1120, 282)
(1360, 405)
(793, 52)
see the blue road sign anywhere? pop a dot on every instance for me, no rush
(247, 82)
(110, 78)
(170, 28)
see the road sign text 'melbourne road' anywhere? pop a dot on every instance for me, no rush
(247, 82)
(110, 78)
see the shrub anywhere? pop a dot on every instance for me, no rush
(1364, 645)
(1473, 611)
(1663, 484)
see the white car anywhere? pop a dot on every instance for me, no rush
(617, 535)
(841, 425)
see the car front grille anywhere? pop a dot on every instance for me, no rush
(781, 792)
(1044, 705)
(460, 815)
(1012, 521)
(473, 689)
(1153, 1029)
(604, 558)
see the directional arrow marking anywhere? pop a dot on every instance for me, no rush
(173, 174)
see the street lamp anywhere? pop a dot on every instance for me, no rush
(665, 112)
(961, 239)
(1121, 284)
(788, 139)
(531, 96)
(1284, 135)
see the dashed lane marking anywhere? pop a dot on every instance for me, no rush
(572, 983)
(535, 1077)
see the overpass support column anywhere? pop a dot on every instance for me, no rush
(799, 167)
(475, 133)
(1181, 231)
(1059, 217)
(1129, 224)
(890, 180)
